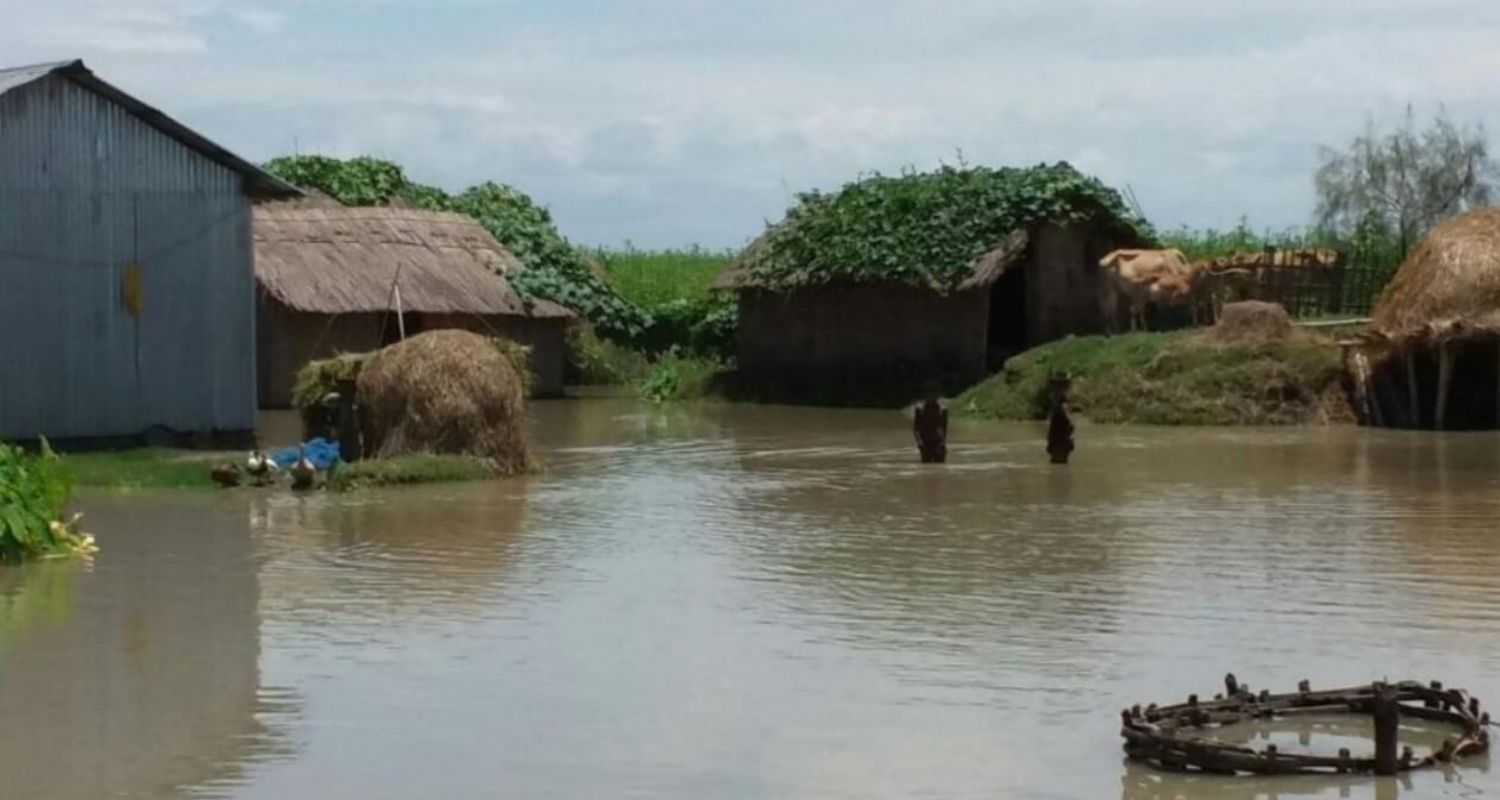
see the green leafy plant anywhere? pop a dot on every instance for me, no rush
(926, 228)
(34, 493)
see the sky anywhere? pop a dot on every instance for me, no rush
(668, 123)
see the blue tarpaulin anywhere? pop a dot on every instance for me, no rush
(321, 452)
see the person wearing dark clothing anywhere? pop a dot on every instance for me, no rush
(1059, 426)
(930, 429)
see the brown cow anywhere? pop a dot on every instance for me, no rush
(1161, 277)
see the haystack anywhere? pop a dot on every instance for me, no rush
(1432, 357)
(446, 392)
(1252, 321)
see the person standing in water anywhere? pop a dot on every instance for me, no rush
(1059, 426)
(929, 426)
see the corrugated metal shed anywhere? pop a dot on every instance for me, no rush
(126, 273)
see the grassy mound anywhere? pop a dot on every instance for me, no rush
(1182, 378)
(446, 392)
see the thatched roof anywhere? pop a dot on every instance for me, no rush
(324, 258)
(1449, 285)
(983, 271)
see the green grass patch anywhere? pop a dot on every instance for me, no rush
(1183, 378)
(653, 279)
(146, 468)
(409, 471)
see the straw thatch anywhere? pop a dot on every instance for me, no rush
(446, 392)
(320, 257)
(983, 271)
(1449, 286)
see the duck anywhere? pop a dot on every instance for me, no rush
(303, 472)
(226, 475)
(261, 467)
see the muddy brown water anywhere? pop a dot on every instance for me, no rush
(753, 602)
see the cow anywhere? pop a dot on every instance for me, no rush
(1159, 277)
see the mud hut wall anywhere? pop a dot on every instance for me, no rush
(289, 339)
(828, 342)
(1066, 288)
(545, 336)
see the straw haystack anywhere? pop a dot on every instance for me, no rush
(446, 392)
(1252, 321)
(1432, 357)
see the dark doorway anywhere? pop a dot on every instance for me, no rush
(390, 327)
(1008, 328)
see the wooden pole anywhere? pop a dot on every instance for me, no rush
(1445, 378)
(1387, 724)
(1497, 384)
(400, 317)
(1414, 407)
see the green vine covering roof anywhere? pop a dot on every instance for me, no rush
(924, 229)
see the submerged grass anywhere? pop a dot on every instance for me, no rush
(1182, 378)
(409, 470)
(676, 378)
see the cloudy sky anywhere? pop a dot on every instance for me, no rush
(672, 122)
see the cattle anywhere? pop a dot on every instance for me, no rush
(1159, 277)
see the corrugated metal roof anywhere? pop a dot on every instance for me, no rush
(258, 181)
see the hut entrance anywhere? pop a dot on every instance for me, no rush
(1007, 325)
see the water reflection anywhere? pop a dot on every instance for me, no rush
(141, 674)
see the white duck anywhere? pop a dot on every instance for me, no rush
(261, 467)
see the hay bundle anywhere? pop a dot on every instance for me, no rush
(1449, 285)
(1252, 321)
(446, 391)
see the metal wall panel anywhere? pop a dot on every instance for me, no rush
(86, 190)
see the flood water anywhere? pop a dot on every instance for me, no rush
(752, 602)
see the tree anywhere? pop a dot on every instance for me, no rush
(1405, 181)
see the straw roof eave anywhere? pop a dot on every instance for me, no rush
(329, 259)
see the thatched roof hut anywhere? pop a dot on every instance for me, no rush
(864, 295)
(331, 278)
(1432, 355)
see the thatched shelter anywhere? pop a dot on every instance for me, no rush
(1432, 356)
(447, 391)
(873, 329)
(331, 279)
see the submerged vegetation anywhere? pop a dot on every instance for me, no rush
(408, 471)
(34, 494)
(1182, 378)
(676, 377)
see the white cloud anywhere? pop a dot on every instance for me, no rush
(671, 121)
(259, 20)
